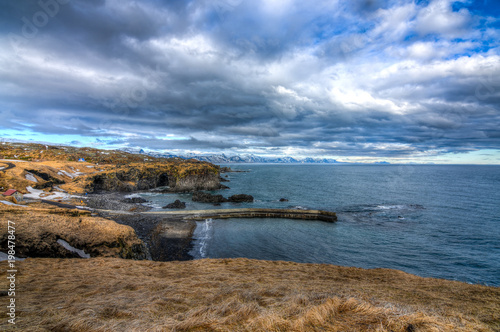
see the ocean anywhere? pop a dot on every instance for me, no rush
(439, 221)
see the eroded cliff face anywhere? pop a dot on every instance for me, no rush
(196, 182)
(127, 179)
(178, 177)
(53, 168)
(39, 232)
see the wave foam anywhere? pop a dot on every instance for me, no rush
(206, 235)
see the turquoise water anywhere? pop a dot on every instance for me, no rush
(433, 221)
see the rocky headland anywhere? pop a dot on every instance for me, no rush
(50, 168)
(173, 176)
(58, 190)
(41, 228)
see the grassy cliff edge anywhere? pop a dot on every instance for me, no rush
(109, 294)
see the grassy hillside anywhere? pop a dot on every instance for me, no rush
(40, 226)
(45, 167)
(105, 294)
(41, 152)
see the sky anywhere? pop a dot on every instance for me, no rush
(361, 80)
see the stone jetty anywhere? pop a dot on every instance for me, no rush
(250, 213)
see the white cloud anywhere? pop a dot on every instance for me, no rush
(308, 75)
(424, 50)
(276, 7)
(395, 23)
(361, 100)
(439, 18)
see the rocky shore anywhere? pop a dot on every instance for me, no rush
(166, 238)
(58, 190)
(60, 186)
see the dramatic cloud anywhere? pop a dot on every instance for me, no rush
(401, 80)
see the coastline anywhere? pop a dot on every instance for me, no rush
(168, 234)
(167, 239)
(50, 184)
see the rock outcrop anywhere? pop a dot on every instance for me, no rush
(192, 182)
(241, 198)
(175, 205)
(39, 232)
(134, 200)
(177, 177)
(121, 172)
(202, 197)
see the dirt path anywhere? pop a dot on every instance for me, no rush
(9, 166)
(61, 205)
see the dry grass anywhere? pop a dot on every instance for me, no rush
(15, 178)
(40, 226)
(115, 166)
(106, 294)
(42, 152)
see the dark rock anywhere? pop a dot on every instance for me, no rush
(175, 205)
(134, 200)
(171, 240)
(45, 233)
(43, 185)
(48, 180)
(283, 200)
(45, 176)
(241, 198)
(225, 169)
(112, 201)
(229, 170)
(202, 197)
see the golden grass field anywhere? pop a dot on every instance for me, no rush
(111, 294)
(42, 152)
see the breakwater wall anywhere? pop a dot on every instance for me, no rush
(250, 213)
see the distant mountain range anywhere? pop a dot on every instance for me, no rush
(222, 158)
(248, 158)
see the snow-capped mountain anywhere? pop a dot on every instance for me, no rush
(246, 158)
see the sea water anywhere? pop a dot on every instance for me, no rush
(430, 220)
